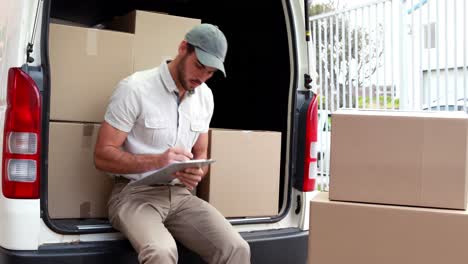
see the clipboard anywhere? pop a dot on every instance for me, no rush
(165, 174)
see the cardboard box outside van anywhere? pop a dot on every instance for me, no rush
(405, 158)
(349, 232)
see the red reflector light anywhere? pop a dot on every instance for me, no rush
(310, 155)
(21, 141)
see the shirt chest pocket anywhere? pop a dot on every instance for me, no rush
(158, 132)
(197, 126)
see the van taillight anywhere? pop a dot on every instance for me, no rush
(310, 155)
(21, 141)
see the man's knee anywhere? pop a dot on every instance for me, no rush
(236, 251)
(158, 253)
(242, 248)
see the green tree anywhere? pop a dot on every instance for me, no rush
(321, 8)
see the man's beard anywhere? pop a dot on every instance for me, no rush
(181, 76)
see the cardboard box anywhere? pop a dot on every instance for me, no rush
(244, 180)
(86, 64)
(157, 36)
(345, 232)
(405, 158)
(76, 189)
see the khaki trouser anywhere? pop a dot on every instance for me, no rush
(153, 216)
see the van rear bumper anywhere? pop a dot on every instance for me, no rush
(274, 246)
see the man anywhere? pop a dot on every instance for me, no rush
(154, 118)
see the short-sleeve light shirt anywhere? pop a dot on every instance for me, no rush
(147, 107)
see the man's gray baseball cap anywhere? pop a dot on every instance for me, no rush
(210, 45)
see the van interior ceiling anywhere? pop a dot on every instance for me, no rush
(254, 96)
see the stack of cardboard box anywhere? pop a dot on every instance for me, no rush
(86, 64)
(398, 190)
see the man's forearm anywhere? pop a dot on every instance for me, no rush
(114, 160)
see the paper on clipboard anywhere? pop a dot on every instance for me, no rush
(165, 174)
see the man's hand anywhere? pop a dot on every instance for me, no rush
(190, 177)
(172, 155)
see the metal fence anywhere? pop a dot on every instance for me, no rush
(388, 55)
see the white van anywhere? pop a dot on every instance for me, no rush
(265, 90)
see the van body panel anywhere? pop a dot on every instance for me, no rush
(20, 219)
(15, 16)
(299, 45)
(306, 197)
(20, 224)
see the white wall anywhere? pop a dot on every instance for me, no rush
(450, 50)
